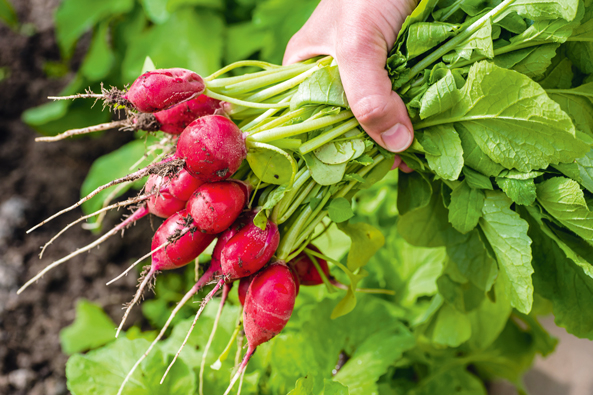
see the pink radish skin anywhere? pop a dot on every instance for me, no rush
(170, 196)
(183, 250)
(249, 250)
(268, 306)
(213, 148)
(305, 269)
(177, 118)
(160, 89)
(215, 206)
(242, 289)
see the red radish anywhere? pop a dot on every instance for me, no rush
(160, 89)
(268, 307)
(296, 279)
(249, 250)
(177, 118)
(162, 204)
(183, 185)
(306, 270)
(244, 284)
(174, 245)
(213, 148)
(215, 206)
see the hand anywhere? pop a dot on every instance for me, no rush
(359, 35)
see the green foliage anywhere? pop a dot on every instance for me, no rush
(7, 14)
(92, 328)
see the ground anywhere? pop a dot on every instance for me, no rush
(38, 179)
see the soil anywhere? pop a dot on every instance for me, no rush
(37, 180)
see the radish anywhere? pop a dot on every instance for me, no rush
(177, 118)
(215, 206)
(305, 268)
(175, 244)
(268, 307)
(213, 148)
(243, 287)
(160, 89)
(249, 250)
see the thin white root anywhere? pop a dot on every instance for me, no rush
(241, 382)
(135, 300)
(225, 292)
(112, 195)
(138, 261)
(198, 314)
(183, 301)
(130, 177)
(104, 209)
(68, 257)
(78, 96)
(241, 369)
(90, 129)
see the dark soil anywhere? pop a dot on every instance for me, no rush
(36, 180)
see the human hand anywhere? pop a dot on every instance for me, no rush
(359, 35)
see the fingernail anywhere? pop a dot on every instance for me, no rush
(397, 138)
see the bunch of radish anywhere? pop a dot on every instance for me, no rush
(200, 192)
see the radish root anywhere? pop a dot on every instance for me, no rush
(198, 314)
(90, 129)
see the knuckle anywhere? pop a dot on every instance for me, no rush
(369, 110)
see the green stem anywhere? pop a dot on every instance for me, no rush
(301, 177)
(362, 172)
(330, 135)
(264, 80)
(280, 120)
(303, 127)
(242, 63)
(326, 282)
(286, 85)
(244, 103)
(451, 44)
(296, 203)
(264, 116)
(501, 51)
(285, 247)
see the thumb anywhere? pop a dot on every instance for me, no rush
(380, 111)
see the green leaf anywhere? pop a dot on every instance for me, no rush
(102, 371)
(339, 210)
(156, 10)
(244, 39)
(109, 167)
(7, 14)
(585, 166)
(578, 104)
(450, 327)
(561, 276)
(366, 241)
(270, 166)
(564, 200)
(324, 174)
(532, 62)
(466, 207)
(428, 226)
(91, 328)
(198, 44)
(324, 86)
(413, 191)
(519, 127)
(546, 9)
(450, 381)
(476, 180)
(304, 386)
(449, 162)
(580, 48)
(423, 36)
(507, 234)
(440, 96)
(474, 156)
(334, 388)
(75, 17)
(480, 42)
(148, 65)
(335, 153)
(520, 191)
(473, 261)
(559, 75)
(260, 220)
(100, 58)
(463, 297)
(374, 360)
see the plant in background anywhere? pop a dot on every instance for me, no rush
(492, 229)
